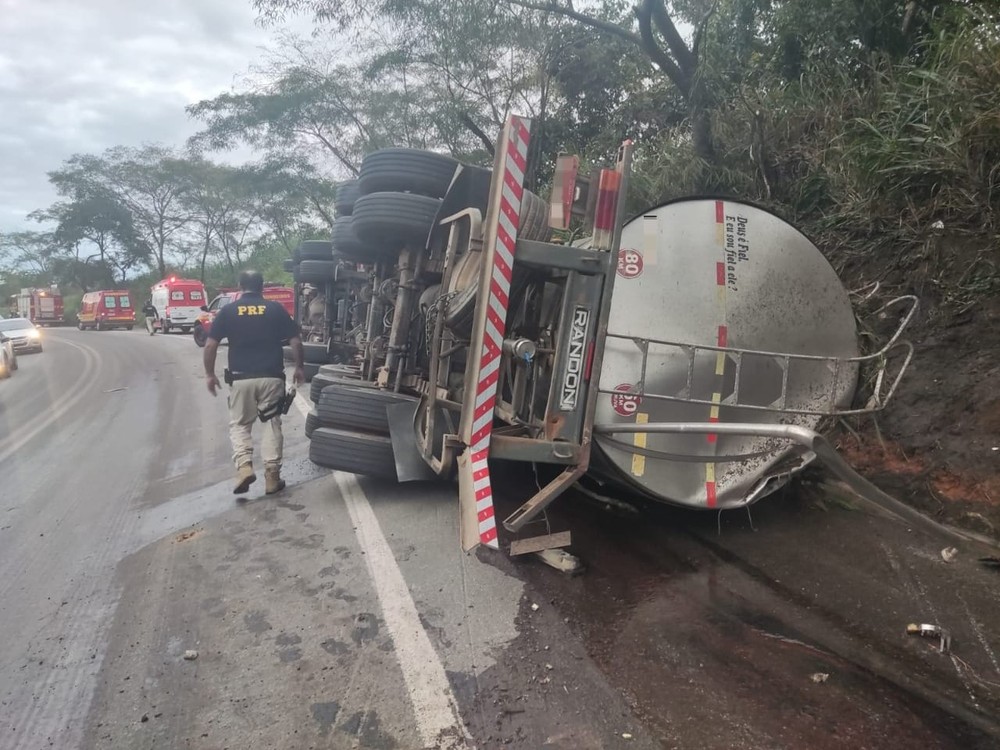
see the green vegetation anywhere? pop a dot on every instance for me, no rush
(866, 122)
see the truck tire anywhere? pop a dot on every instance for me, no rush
(316, 250)
(347, 244)
(315, 354)
(344, 196)
(406, 170)
(358, 408)
(534, 223)
(330, 374)
(353, 452)
(312, 422)
(315, 271)
(394, 219)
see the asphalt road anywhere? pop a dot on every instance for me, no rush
(342, 613)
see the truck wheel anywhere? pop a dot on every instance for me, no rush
(343, 198)
(312, 422)
(347, 244)
(406, 170)
(394, 218)
(316, 250)
(352, 407)
(330, 374)
(315, 354)
(200, 336)
(315, 271)
(353, 452)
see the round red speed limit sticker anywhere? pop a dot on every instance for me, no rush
(623, 402)
(629, 263)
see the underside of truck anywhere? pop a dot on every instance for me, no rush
(691, 354)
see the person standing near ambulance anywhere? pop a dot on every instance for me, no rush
(256, 329)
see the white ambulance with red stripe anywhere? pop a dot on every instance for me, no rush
(176, 304)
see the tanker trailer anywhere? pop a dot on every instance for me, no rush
(690, 353)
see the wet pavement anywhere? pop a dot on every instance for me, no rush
(784, 629)
(343, 614)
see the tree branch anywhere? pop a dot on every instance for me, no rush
(568, 12)
(467, 120)
(649, 45)
(685, 59)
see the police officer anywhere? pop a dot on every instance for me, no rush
(256, 328)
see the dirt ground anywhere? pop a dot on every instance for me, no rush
(937, 444)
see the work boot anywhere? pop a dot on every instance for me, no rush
(244, 478)
(272, 481)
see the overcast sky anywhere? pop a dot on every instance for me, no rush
(84, 75)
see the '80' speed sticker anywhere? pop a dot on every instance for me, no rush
(629, 263)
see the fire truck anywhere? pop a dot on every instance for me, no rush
(690, 354)
(42, 306)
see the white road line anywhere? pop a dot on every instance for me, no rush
(430, 694)
(434, 704)
(74, 393)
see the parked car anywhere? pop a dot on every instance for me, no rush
(8, 357)
(23, 334)
(274, 292)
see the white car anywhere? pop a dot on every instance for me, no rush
(23, 334)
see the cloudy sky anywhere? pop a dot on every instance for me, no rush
(84, 75)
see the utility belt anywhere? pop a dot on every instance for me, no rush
(272, 410)
(232, 377)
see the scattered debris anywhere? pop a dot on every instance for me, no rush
(190, 655)
(145, 718)
(937, 224)
(534, 607)
(931, 631)
(115, 390)
(626, 736)
(949, 554)
(819, 677)
(548, 666)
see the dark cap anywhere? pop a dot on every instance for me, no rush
(251, 281)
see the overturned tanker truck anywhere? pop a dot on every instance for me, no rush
(689, 354)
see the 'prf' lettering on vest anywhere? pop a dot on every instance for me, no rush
(250, 309)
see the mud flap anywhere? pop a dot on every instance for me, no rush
(410, 465)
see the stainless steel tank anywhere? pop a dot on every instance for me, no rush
(721, 312)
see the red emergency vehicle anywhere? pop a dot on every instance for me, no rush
(43, 307)
(275, 292)
(106, 309)
(177, 304)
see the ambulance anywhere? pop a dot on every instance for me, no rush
(106, 309)
(177, 304)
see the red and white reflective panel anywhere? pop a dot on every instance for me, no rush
(514, 161)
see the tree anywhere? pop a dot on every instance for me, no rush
(148, 182)
(100, 222)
